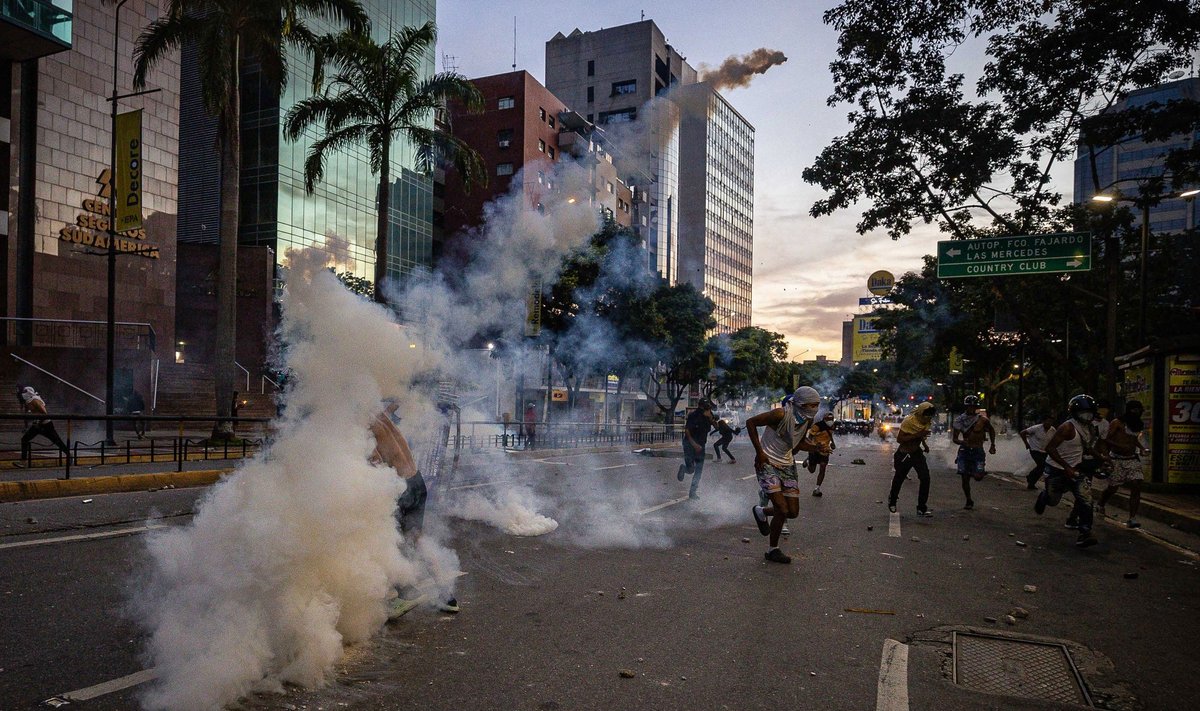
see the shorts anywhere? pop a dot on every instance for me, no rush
(970, 461)
(773, 479)
(1124, 470)
(818, 458)
(410, 507)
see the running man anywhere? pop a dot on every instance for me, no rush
(695, 435)
(33, 403)
(970, 429)
(914, 430)
(1125, 448)
(726, 436)
(1065, 451)
(391, 449)
(1035, 439)
(784, 431)
(821, 435)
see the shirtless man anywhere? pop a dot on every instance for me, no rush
(784, 435)
(391, 449)
(970, 430)
(1125, 449)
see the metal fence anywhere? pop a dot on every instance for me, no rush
(563, 435)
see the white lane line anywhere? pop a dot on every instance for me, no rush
(615, 466)
(107, 687)
(81, 537)
(672, 502)
(894, 525)
(747, 477)
(477, 486)
(891, 693)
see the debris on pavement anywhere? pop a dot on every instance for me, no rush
(1030, 588)
(870, 528)
(621, 595)
(914, 539)
(1020, 613)
(1131, 576)
(31, 519)
(1021, 544)
(87, 501)
(627, 674)
(1010, 620)
(745, 540)
(865, 611)
(891, 555)
(990, 620)
(966, 538)
(859, 461)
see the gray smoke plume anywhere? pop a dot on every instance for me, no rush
(736, 72)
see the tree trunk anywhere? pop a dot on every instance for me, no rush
(381, 234)
(226, 338)
(1112, 261)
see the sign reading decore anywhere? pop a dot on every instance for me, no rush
(129, 171)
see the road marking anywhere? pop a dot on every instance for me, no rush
(477, 486)
(672, 502)
(615, 466)
(747, 477)
(894, 525)
(98, 690)
(81, 537)
(891, 693)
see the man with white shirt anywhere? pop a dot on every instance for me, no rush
(1035, 439)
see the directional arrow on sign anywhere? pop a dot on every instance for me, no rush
(953, 252)
(1074, 263)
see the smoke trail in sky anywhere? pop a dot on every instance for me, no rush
(736, 72)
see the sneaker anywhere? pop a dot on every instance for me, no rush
(970, 506)
(693, 495)
(1132, 523)
(785, 531)
(925, 513)
(817, 492)
(892, 507)
(777, 556)
(1086, 539)
(449, 605)
(1039, 506)
(679, 475)
(1071, 525)
(760, 518)
(732, 460)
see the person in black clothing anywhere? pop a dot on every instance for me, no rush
(135, 405)
(33, 403)
(726, 436)
(695, 437)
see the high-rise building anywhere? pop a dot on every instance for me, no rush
(340, 217)
(523, 133)
(1123, 165)
(716, 214)
(618, 78)
(56, 75)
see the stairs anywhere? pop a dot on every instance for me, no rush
(187, 389)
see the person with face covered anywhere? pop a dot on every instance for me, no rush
(1125, 449)
(42, 426)
(785, 432)
(910, 455)
(820, 434)
(1065, 452)
(971, 428)
(695, 435)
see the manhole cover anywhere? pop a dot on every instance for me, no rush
(1016, 667)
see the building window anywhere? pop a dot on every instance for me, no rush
(541, 113)
(504, 169)
(591, 67)
(610, 187)
(620, 116)
(591, 94)
(504, 137)
(506, 102)
(541, 178)
(550, 152)
(620, 88)
(541, 146)
(552, 122)
(591, 118)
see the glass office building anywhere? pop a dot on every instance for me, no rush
(340, 217)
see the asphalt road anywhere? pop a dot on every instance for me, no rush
(678, 595)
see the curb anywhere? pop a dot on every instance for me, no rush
(1176, 519)
(11, 491)
(540, 453)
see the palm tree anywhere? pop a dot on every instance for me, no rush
(377, 95)
(223, 32)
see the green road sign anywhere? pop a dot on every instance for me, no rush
(1015, 256)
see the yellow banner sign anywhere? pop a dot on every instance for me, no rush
(129, 171)
(866, 340)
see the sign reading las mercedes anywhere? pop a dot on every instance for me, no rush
(1012, 256)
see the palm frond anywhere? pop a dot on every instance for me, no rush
(314, 164)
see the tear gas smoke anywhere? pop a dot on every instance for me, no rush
(294, 554)
(512, 510)
(737, 72)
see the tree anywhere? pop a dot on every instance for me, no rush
(924, 145)
(747, 361)
(376, 96)
(682, 358)
(223, 32)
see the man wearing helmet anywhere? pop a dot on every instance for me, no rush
(784, 434)
(1066, 450)
(971, 427)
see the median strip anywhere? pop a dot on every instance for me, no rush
(117, 483)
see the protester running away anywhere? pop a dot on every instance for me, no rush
(1065, 451)
(726, 435)
(695, 435)
(914, 431)
(820, 434)
(1035, 439)
(1125, 449)
(33, 403)
(971, 428)
(784, 434)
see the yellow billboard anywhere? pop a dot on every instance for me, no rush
(129, 171)
(865, 340)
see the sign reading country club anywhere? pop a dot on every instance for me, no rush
(1015, 256)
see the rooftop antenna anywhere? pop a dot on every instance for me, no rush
(514, 43)
(449, 63)
(643, 15)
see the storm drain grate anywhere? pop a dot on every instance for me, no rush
(1017, 667)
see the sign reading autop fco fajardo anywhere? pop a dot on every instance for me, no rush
(1008, 256)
